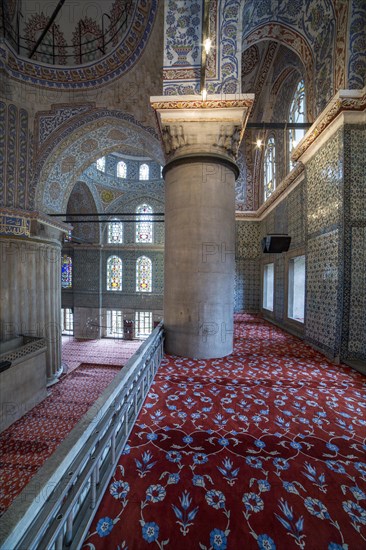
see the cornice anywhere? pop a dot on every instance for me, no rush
(35, 216)
(343, 101)
(196, 102)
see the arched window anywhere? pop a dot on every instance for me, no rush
(122, 170)
(143, 274)
(144, 226)
(144, 172)
(114, 273)
(66, 272)
(101, 164)
(115, 232)
(297, 114)
(269, 168)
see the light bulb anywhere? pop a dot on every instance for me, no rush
(204, 94)
(259, 143)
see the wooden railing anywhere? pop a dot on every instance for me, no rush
(67, 490)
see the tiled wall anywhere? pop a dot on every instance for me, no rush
(324, 223)
(247, 275)
(354, 299)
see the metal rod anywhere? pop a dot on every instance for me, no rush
(111, 214)
(279, 125)
(104, 221)
(47, 27)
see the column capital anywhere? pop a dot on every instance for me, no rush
(190, 125)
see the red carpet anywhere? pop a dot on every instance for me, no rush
(106, 351)
(263, 449)
(27, 443)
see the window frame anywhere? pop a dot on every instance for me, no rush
(144, 220)
(117, 313)
(138, 290)
(119, 163)
(290, 118)
(114, 221)
(107, 280)
(269, 312)
(71, 263)
(66, 314)
(271, 139)
(104, 164)
(141, 167)
(143, 335)
(290, 255)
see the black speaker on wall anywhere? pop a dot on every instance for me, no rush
(274, 244)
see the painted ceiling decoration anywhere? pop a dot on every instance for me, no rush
(83, 141)
(182, 51)
(120, 58)
(264, 46)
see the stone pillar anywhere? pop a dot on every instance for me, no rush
(201, 140)
(30, 282)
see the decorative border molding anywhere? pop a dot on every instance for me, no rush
(24, 218)
(344, 100)
(196, 102)
(31, 345)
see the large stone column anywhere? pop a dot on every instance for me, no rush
(30, 282)
(201, 139)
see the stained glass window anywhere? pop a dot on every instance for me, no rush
(122, 170)
(144, 226)
(68, 237)
(114, 273)
(144, 172)
(101, 164)
(269, 168)
(297, 114)
(115, 232)
(66, 272)
(143, 274)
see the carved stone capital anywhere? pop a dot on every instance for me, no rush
(191, 126)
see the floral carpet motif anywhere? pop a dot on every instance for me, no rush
(262, 449)
(27, 443)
